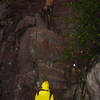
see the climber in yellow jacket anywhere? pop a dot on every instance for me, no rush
(44, 93)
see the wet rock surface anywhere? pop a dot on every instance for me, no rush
(2, 11)
(31, 60)
(28, 51)
(40, 46)
(63, 16)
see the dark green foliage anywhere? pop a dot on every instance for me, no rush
(87, 20)
(87, 24)
(67, 20)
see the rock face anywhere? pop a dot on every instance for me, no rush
(29, 51)
(34, 56)
(63, 16)
(41, 46)
(26, 22)
(2, 11)
(93, 80)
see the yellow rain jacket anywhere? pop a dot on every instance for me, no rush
(44, 93)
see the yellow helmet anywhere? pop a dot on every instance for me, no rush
(45, 85)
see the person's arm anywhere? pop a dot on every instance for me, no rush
(36, 96)
(52, 97)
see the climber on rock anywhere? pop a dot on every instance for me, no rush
(44, 93)
(48, 7)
